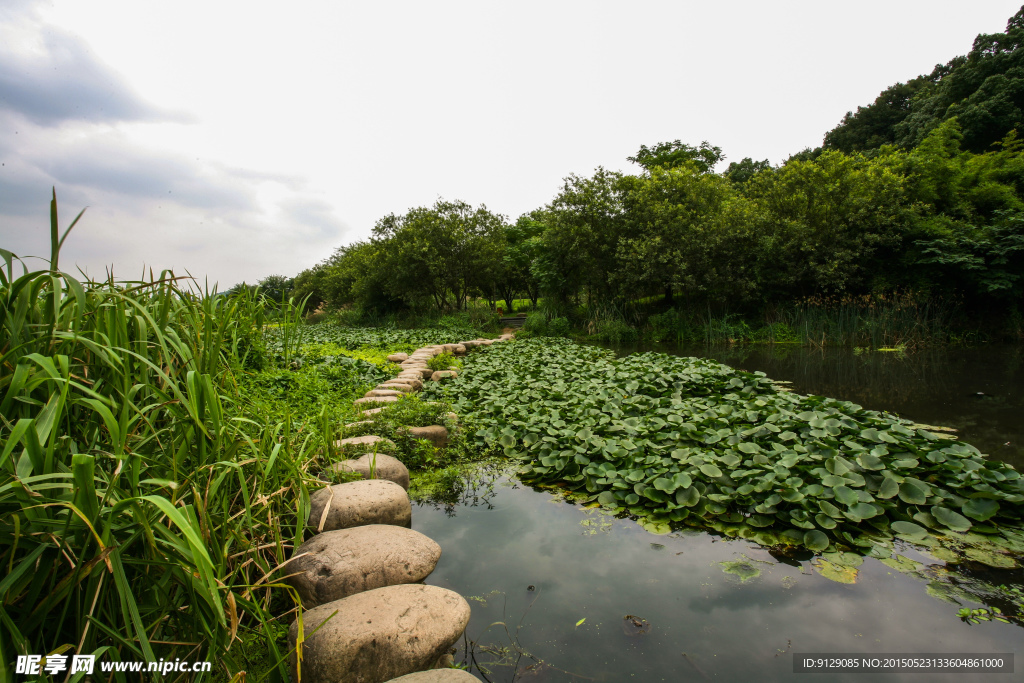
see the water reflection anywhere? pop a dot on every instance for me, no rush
(979, 391)
(708, 607)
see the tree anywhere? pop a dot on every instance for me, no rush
(443, 252)
(685, 230)
(740, 172)
(678, 153)
(577, 252)
(520, 247)
(276, 287)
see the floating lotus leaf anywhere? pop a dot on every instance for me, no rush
(951, 519)
(834, 572)
(990, 558)
(980, 509)
(902, 564)
(744, 569)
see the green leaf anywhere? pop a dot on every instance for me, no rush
(688, 497)
(888, 488)
(951, 519)
(815, 540)
(980, 509)
(710, 470)
(912, 492)
(607, 499)
(824, 521)
(845, 495)
(909, 529)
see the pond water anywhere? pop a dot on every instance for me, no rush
(694, 606)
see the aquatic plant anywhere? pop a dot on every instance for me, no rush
(687, 440)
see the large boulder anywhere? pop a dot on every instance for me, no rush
(336, 564)
(435, 434)
(358, 503)
(378, 635)
(437, 676)
(383, 467)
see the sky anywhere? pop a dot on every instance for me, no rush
(236, 140)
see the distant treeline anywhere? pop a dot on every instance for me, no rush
(921, 192)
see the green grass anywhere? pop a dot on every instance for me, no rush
(158, 446)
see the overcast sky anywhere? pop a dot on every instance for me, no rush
(236, 140)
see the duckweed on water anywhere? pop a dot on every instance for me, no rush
(685, 440)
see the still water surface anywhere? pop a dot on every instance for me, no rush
(704, 607)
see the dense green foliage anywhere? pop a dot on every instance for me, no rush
(690, 440)
(984, 90)
(916, 198)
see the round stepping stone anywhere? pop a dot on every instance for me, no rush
(375, 399)
(486, 342)
(441, 374)
(437, 676)
(398, 357)
(426, 373)
(385, 467)
(460, 350)
(383, 392)
(435, 434)
(371, 411)
(367, 441)
(415, 381)
(380, 634)
(395, 386)
(361, 423)
(358, 503)
(340, 563)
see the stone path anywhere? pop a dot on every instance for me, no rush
(360, 576)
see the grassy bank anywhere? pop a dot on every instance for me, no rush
(158, 446)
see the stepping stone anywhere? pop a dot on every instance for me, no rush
(379, 635)
(361, 423)
(415, 381)
(344, 562)
(426, 372)
(358, 503)
(460, 350)
(486, 342)
(441, 374)
(437, 676)
(384, 392)
(469, 344)
(435, 434)
(375, 399)
(395, 386)
(370, 441)
(371, 411)
(398, 357)
(385, 467)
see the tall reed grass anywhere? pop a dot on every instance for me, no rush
(142, 514)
